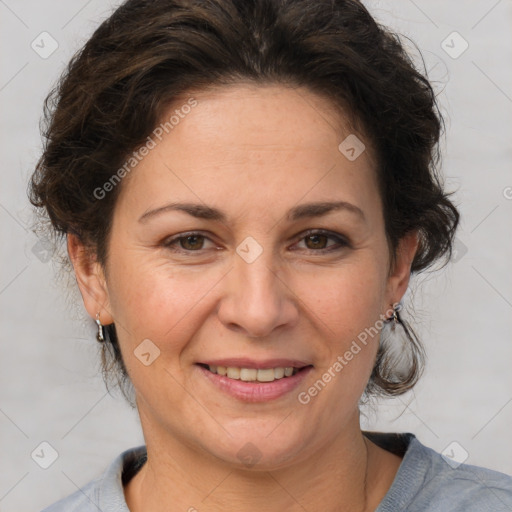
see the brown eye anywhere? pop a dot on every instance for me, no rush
(191, 242)
(186, 243)
(317, 241)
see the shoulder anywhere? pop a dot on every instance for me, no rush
(462, 486)
(429, 481)
(84, 499)
(104, 493)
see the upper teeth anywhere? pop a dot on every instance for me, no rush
(254, 374)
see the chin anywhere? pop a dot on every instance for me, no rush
(261, 449)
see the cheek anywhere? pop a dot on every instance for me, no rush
(156, 301)
(348, 304)
(349, 299)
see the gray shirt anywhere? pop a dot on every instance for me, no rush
(425, 481)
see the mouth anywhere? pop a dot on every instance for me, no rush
(262, 375)
(248, 381)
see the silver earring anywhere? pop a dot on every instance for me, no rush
(395, 318)
(100, 335)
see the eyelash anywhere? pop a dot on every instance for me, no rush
(341, 241)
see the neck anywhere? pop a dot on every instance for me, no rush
(345, 474)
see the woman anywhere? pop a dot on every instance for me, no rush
(245, 188)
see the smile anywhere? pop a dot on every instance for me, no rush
(253, 374)
(242, 381)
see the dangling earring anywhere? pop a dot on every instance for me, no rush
(100, 335)
(395, 318)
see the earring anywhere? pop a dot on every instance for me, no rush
(395, 318)
(100, 335)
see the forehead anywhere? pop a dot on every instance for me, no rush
(271, 141)
(262, 116)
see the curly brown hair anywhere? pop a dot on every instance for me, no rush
(117, 87)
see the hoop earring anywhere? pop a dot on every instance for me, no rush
(100, 336)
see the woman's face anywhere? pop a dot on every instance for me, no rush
(251, 288)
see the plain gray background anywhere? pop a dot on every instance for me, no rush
(50, 389)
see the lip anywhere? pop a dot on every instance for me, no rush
(241, 362)
(255, 391)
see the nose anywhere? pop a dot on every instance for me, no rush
(257, 300)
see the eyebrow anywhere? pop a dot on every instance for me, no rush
(307, 210)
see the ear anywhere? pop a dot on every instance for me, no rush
(90, 278)
(400, 272)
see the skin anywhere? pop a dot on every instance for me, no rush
(254, 152)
